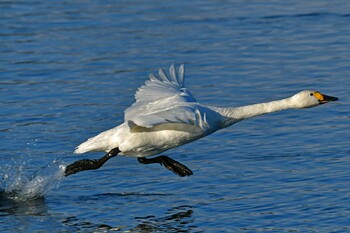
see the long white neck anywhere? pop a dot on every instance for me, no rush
(233, 115)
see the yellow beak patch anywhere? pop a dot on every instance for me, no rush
(319, 96)
(323, 98)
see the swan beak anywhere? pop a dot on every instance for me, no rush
(322, 99)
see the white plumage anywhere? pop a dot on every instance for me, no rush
(166, 115)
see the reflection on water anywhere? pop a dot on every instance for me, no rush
(30, 215)
(176, 219)
(9, 205)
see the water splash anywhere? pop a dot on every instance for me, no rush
(19, 185)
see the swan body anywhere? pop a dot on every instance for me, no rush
(165, 115)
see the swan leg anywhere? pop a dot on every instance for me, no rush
(170, 164)
(88, 164)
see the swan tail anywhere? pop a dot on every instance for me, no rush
(84, 147)
(97, 143)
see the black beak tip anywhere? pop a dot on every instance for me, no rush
(329, 99)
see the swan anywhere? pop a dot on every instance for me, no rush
(165, 115)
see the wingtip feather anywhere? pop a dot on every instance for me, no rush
(182, 74)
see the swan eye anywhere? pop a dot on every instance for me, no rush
(311, 94)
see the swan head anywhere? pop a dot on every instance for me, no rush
(309, 98)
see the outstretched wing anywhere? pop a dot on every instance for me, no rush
(163, 86)
(164, 99)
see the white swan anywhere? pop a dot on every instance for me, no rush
(166, 115)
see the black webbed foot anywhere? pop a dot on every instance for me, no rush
(82, 165)
(88, 164)
(170, 164)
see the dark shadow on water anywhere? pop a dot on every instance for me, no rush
(10, 206)
(176, 219)
(25, 215)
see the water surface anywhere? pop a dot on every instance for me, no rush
(70, 69)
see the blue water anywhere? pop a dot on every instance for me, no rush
(69, 69)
